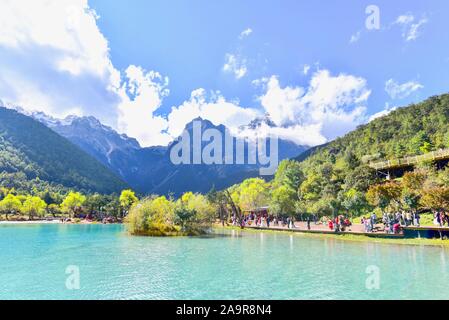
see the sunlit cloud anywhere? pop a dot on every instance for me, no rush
(401, 91)
(411, 27)
(235, 65)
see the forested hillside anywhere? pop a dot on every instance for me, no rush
(412, 130)
(33, 156)
(336, 177)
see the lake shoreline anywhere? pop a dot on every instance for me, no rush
(341, 236)
(55, 221)
(30, 222)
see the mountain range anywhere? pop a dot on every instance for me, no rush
(149, 170)
(30, 151)
(82, 153)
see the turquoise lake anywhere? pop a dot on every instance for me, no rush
(226, 265)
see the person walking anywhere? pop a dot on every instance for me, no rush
(373, 221)
(367, 223)
(416, 219)
(408, 218)
(292, 221)
(337, 225)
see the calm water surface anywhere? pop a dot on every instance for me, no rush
(227, 265)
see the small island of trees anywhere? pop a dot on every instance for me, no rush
(191, 214)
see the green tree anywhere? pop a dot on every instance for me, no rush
(412, 184)
(436, 198)
(34, 206)
(73, 203)
(351, 160)
(355, 202)
(384, 195)
(127, 200)
(219, 200)
(283, 201)
(153, 216)
(420, 143)
(10, 205)
(194, 212)
(199, 203)
(289, 173)
(184, 217)
(253, 193)
(53, 209)
(113, 207)
(48, 198)
(361, 178)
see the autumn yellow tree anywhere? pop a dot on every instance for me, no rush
(436, 198)
(11, 204)
(252, 193)
(127, 200)
(384, 195)
(34, 206)
(73, 203)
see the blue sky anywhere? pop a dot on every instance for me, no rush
(248, 57)
(187, 41)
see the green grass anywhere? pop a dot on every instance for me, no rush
(427, 220)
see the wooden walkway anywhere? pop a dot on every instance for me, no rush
(410, 161)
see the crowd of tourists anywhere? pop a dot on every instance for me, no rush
(440, 218)
(392, 222)
(338, 224)
(264, 220)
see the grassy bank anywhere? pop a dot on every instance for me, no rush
(350, 237)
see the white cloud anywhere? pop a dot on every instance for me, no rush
(401, 91)
(53, 57)
(328, 108)
(308, 134)
(355, 37)
(306, 69)
(410, 26)
(414, 31)
(214, 108)
(282, 104)
(236, 65)
(245, 33)
(405, 19)
(388, 109)
(260, 82)
(142, 95)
